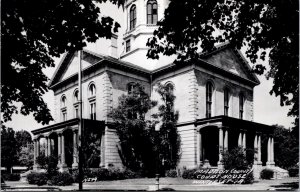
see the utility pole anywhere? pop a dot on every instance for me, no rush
(80, 171)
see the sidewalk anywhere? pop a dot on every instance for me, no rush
(169, 184)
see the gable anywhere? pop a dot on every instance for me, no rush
(69, 65)
(232, 61)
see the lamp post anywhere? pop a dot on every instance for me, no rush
(157, 129)
(80, 171)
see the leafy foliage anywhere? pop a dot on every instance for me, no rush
(11, 176)
(266, 174)
(286, 146)
(9, 149)
(32, 33)
(169, 140)
(37, 178)
(23, 138)
(235, 159)
(26, 156)
(62, 179)
(265, 28)
(134, 131)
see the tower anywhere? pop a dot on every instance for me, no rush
(141, 18)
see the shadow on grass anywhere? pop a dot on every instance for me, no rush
(290, 185)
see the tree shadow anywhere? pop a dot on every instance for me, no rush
(289, 186)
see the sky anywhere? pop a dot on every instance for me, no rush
(267, 109)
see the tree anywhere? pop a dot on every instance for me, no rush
(263, 27)
(26, 156)
(286, 146)
(169, 141)
(136, 134)
(23, 138)
(32, 32)
(9, 148)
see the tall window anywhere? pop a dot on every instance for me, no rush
(128, 46)
(209, 92)
(226, 101)
(241, 105)
(76, 104)
(132, 17)
(152, 12)
(92, 101)
(63, 105)
(170, 97)
(130, 88)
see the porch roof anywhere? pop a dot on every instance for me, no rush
(64, 124)
(231, 122)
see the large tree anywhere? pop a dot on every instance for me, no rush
(32, 33)
(136, 133)
(23, 138)
(9, 148)
(266, 28)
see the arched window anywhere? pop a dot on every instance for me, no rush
(130, 88)
(209, 93)
(226, 101)
(170, 97)
(152, 12)
(132, 17)
(241, 105)
(63, 104)
(63, 101)
(92, 90)
(76, 104)
(92, 101)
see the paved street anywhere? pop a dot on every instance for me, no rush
(165, 183)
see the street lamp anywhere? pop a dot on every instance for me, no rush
(157, 129)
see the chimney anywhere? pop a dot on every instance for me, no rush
(113, 48)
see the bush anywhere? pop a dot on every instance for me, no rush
(266, 174)
(128, 174)
(235, 159)
(62, 179)
(37, 178)
(188, 173)
(171, 173)
(294, 172)
(249, 179)
(11, 176)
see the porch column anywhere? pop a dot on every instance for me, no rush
(38, 147)
(75, 154)
(244, 139)
(46, 148)
(34, 154)
(255, 149)
(63, 156)
(240, 138)
(49, 146)
(259, 149)
(59, 147)
(199, 149)
(226, 139)
(270, 162)
(221, 142)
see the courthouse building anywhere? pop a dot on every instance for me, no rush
(214, 96)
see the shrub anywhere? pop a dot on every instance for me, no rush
(266, 174)
(102, 174)
(294, 172)
(128, 174)
(62, 179)
(235, 159)
(188, 173)
(171, 173)
(37, 178)
(249, 179)
(11, 176)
